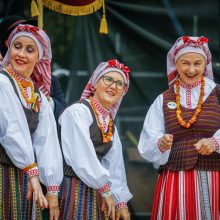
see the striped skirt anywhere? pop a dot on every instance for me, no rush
(80, 202)
(13, 189)
(187, 195)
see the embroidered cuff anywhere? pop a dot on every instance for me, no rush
(158, 144)
(121, 205)
(105, 190)
(53, 189)
(33, 172)
(215, 142)
(29, 167)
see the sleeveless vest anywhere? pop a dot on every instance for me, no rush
(32, 120)
(101, 148)
(183, 155)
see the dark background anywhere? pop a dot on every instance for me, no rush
(140, 34)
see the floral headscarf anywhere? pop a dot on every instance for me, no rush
(102, 69)
(41, 75)
(184, 45)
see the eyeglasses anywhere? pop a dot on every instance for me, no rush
(109, 81)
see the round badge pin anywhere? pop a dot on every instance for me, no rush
(171, 105)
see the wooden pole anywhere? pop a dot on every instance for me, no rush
(40, 17)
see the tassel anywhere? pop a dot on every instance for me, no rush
(104, 26)
(34, 9)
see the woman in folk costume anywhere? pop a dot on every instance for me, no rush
(28, 135)
(181, 133)
(56, 96)
(94, 174)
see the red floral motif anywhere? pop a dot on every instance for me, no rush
(33, 172)
(53, 188)
(115, 63)
(121, 205)
(34, 30)
(28, 28)
(199, 41)
(187, 41)
(105, 188)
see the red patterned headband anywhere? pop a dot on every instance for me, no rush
(187, 41)
(199, 41)
(31, 29)
(121, 66)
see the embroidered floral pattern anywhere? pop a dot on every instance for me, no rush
(53, 189)
(121, 205)
(103, 112)
(106, 137)
(105, 190)
(33, 172)
(215, 142)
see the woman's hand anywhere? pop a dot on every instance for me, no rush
(166, 142)
(110, 203)
(34, 187)
(205, 146)
(123, 213)
(53, 206)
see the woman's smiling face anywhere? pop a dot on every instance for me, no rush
(190, 67)
(108, 95)
(23, 55)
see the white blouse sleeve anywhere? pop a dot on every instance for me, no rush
(14, 132)
(46, 146)
(153, 130)
(114, 162)
(78, 149)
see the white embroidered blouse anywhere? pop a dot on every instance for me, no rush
(17, 141)
(154, 128)
(79, 153)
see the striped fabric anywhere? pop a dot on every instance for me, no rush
(42, 75)
(182, 196)
(79, 202)
(183, 155)
(13, 202)
(188, 185)
(104, 114)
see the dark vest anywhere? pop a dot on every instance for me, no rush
(183, 155)
(32, 120)
(101, 148)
